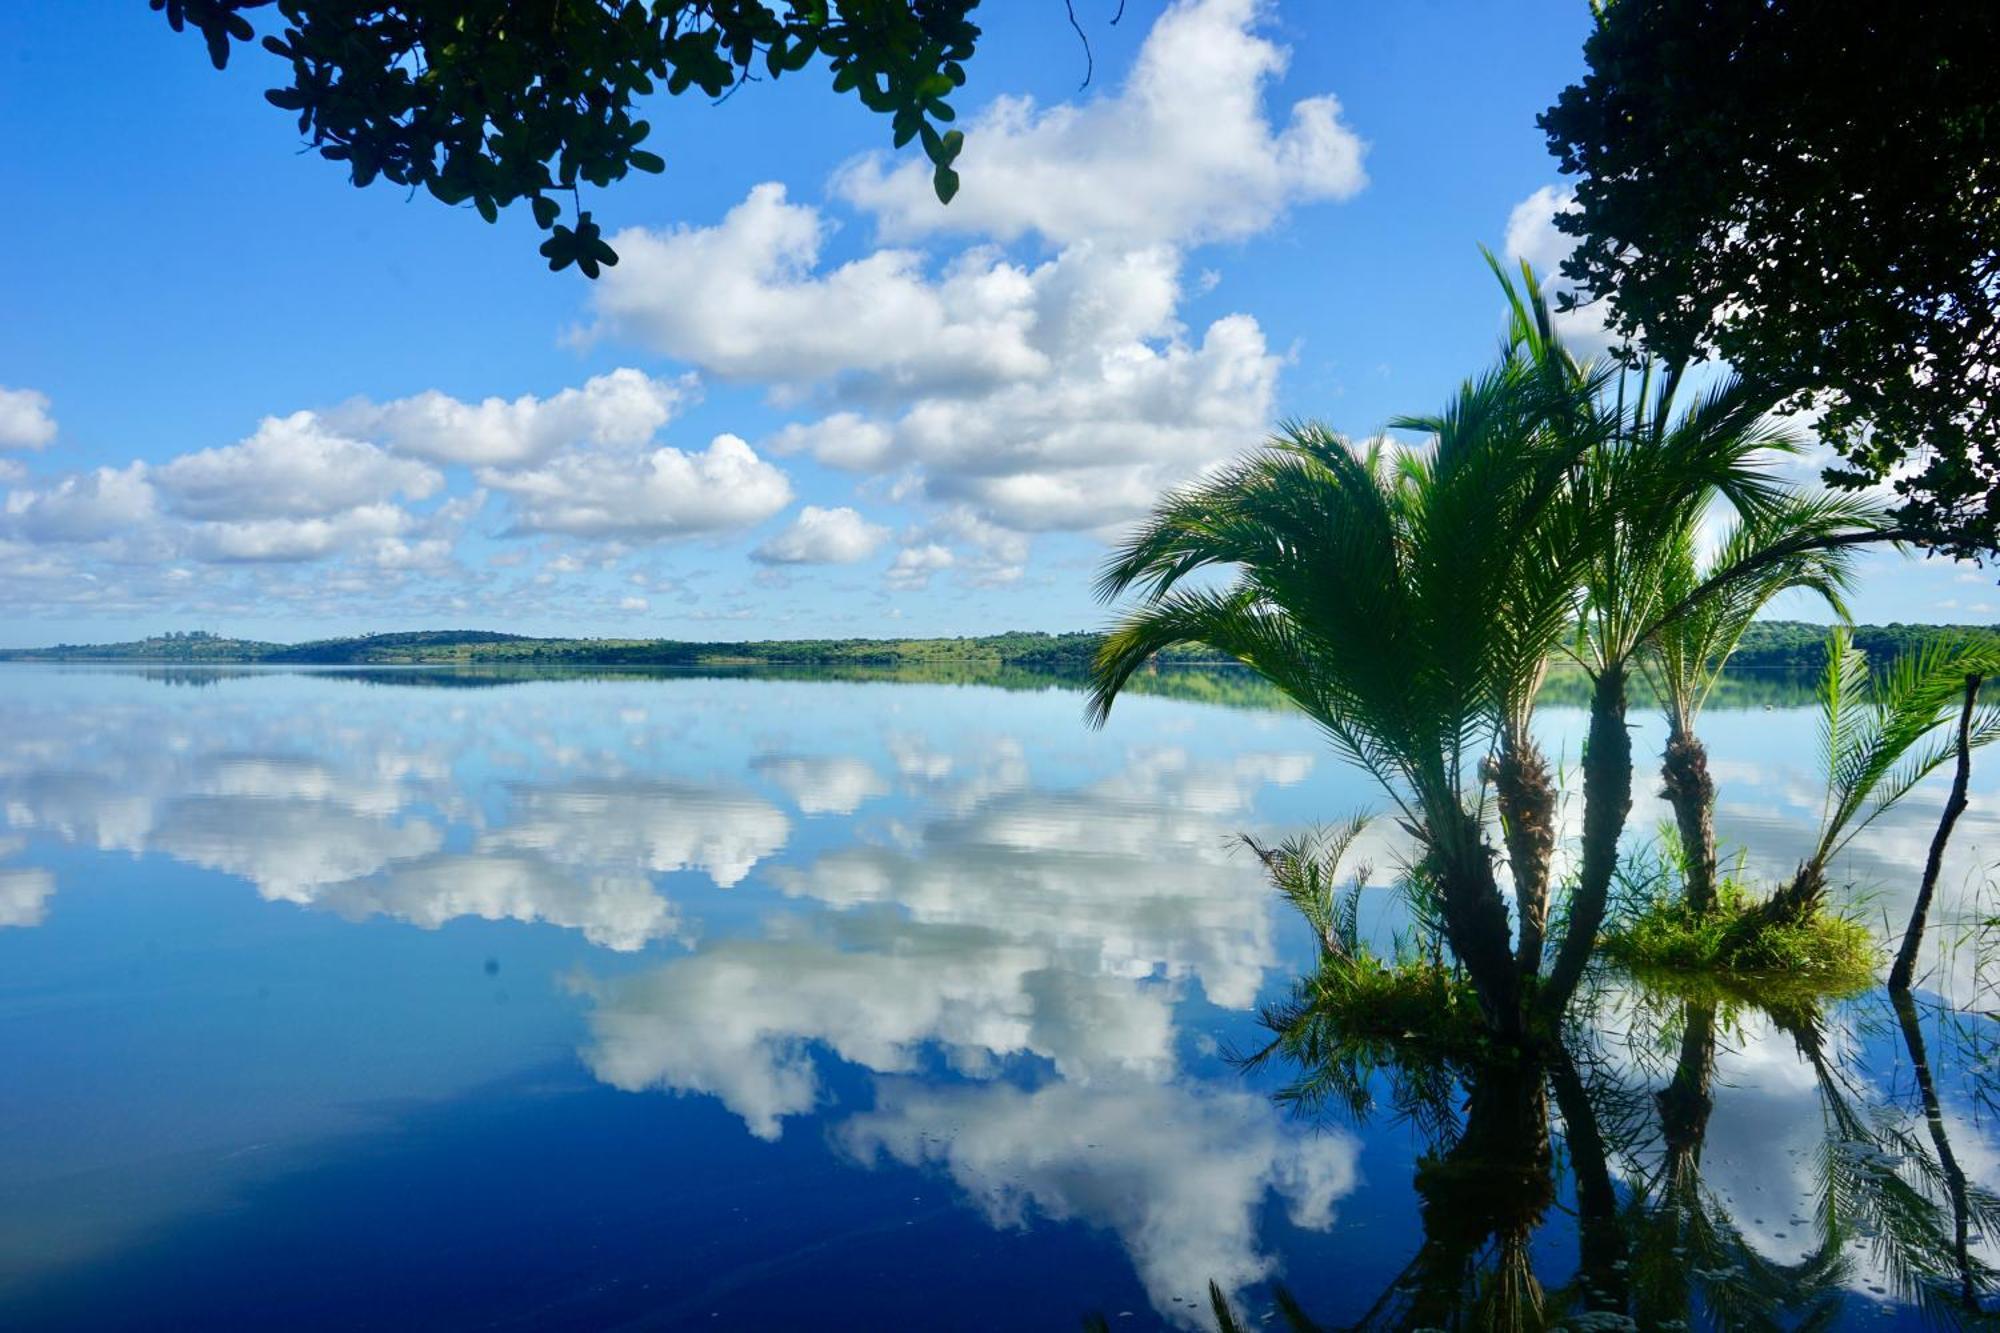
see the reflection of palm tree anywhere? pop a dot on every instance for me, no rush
(1492, 1184)
(1954, 1176)
(1601, 1267)
(1878, 1182)
(1485, 1195)
(1669, 1254)
(1675, 1228)
(1684, 1245)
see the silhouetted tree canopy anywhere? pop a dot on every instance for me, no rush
(1810, 189)
(490, 101)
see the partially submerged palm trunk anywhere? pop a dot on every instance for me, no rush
(1789, 906)
(1607, 799)
(1905, 969)
(1691, 792)
(1527, 800)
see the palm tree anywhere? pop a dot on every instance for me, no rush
(1366, 586)
(1409, 600)
(1532, 613)
(1689, 652)
(1878, 739)
(1306, 872)
(1642, 490)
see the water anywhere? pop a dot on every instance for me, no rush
(404, 1000)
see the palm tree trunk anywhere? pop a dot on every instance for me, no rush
(1905, 969)
(1607, 799)
(1691, 791)
(1475, 923)
(1787, 907)
(1527, 800)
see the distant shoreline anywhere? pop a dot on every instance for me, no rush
(1769, 645)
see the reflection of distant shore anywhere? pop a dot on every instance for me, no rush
(1212, 683)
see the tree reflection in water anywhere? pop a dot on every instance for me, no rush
(1614, 1120)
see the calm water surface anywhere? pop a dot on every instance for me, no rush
(334, 1001)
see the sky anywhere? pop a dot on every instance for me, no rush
(239, 395)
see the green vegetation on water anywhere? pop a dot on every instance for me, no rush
(1364, 1004)
(1823, 953)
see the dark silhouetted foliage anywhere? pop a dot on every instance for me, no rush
(1810, 190)
(488, 102)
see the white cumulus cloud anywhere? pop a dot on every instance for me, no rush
(277, 540)
(85, 507)
(623, 408)
(25, 422)
(823, 537)
(743, 299)
(1186, 151)
(645, 495)
(1532, 238)
(1055, 395)
(914, 565)
(1103, 401)
(293, 467)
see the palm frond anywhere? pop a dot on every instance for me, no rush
(1879, 731)
(1225, 1318)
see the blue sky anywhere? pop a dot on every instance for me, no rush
(238, 394)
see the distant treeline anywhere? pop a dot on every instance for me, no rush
(1776, 645)
(1794, 645)
(1055, 653)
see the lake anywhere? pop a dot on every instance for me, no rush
(409, 999)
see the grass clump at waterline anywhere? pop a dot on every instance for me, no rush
(1407, 1002)
(1823, 950)
(1356, 1016)
(1356, 1002)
